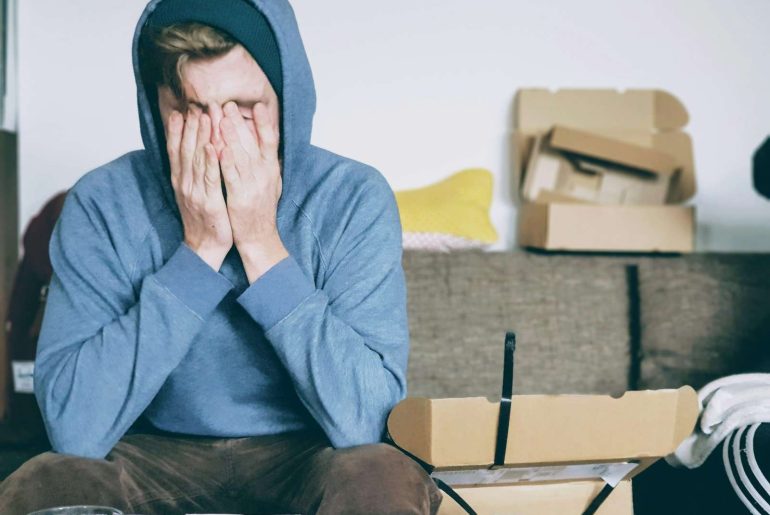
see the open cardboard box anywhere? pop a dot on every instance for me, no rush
(561, 449)
(572, 164)
(637, 169)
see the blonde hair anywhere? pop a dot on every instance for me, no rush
(166, 50)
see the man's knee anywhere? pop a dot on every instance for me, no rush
(373, 460)
(378, 479)
(51, 479)
(51, 467)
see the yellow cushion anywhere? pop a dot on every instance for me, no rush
(458, 206)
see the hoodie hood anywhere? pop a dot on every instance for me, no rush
(298, 98)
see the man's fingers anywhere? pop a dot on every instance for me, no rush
(173, 141)
(238, 153)
(229, 171)
(204, 131)
(212, 177)
(267, 130)
(242, 133)
(189, 140)
(200, 161)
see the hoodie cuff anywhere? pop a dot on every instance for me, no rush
(277, 293)
(193, 282)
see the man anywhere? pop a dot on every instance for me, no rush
(232, 297)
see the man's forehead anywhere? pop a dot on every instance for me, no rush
(233, 76)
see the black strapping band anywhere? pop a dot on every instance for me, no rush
(599, 499)
(429, 469)
(454, 495)
(504, 418)
(502, 427)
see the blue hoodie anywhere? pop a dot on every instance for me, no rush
(138, 326)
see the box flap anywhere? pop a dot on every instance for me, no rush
(409, 424)
(612, 149)
(525, 499)
(645, 109)
(546, 429)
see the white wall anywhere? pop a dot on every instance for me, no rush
(422, 88)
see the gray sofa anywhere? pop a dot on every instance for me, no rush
(585, 323)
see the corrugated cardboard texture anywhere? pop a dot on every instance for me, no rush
(546, 499)
(462, 303)
(548, 429)
(581, 227)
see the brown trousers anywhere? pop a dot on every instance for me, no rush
(291, 473)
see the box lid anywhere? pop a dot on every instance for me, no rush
(646, 117)
(642, 109)
(615, 150)
(545, 429)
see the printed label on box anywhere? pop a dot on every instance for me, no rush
(22, 376)
(611, 473)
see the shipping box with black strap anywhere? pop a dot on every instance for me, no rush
(542, 454)
(603, 171)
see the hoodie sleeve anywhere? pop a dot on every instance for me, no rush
(107, 346)
(345, 345)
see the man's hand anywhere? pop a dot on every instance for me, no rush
(252, 175)
(197, 184)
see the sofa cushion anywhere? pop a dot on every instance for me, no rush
(570, 314)
(703, 317)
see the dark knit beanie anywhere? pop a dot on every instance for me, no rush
(238, 18)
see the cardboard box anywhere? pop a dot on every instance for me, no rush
(625, 151)
(554, 442)
(569, 498)
(582, 227)
(583, 166)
